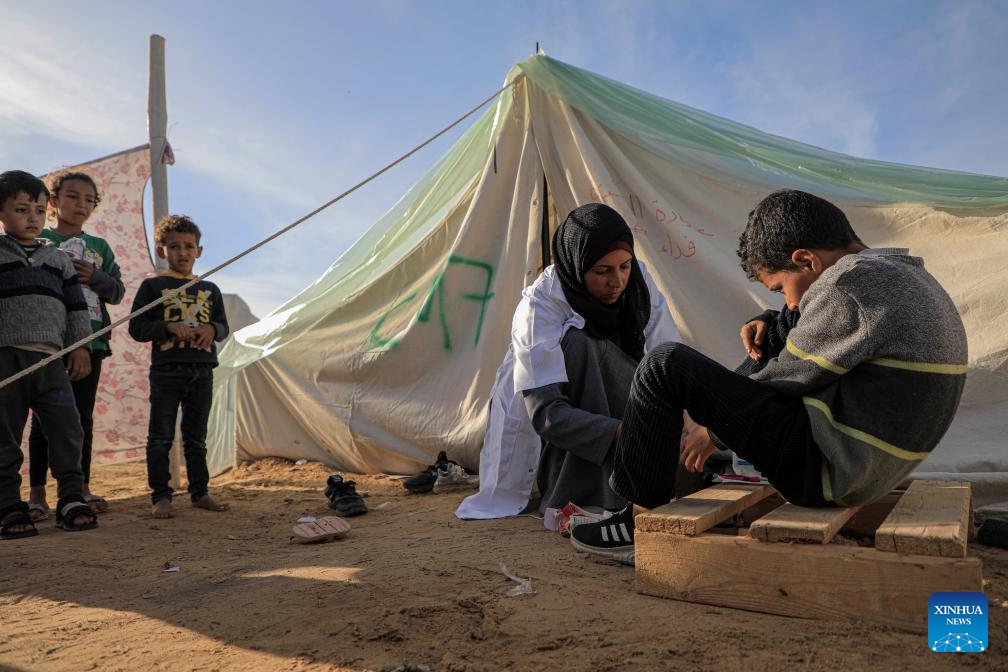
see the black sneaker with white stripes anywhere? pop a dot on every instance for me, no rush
(612, 537)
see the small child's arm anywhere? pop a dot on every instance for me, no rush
(78, 324)
(78, 363)
(147, 326)
(204, 335)
(107, 283)
(218, 317)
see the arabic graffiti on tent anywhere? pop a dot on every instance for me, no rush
(444, 301)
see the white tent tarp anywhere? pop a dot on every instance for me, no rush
(390, 355)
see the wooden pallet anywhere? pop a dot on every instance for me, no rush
(784, 561)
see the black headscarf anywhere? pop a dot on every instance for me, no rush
(582, 239)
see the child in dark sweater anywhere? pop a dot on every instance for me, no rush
(182, 330)
(41, 307)
(74, 198)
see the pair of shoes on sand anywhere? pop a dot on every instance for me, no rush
(343, 497)
(344, 500)
(443, 476)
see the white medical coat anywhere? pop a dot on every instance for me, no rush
(510, 453)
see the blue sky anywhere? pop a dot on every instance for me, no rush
(274, 108)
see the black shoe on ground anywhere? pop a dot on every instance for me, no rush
(425, 480)
(611, 538)
(343, 497)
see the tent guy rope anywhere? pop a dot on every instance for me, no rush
(57, 355)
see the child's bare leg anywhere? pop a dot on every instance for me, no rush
(163, 509)
(210, 504)
(37, 495)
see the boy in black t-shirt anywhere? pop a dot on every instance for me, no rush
(182, 330)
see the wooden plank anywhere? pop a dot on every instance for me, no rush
(801, 524)
(862, 524)
(931, 518)
(825, 582)
(866, 521)
(702, 510)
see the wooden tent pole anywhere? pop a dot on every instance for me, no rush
(157, 129)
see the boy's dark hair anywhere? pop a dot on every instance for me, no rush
(175, 224)
(788, 220)
(14, 182)
(57, 183)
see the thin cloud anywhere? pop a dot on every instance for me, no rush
(51, 96)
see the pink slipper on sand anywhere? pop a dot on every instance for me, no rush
(326, 528)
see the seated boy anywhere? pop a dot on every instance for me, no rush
(41, 306)
(182, 331)
(865, 388)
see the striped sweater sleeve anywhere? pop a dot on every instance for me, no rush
(78, 321)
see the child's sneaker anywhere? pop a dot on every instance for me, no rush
(611, 538)
(452, 477)
(343, 497)
(425, 480)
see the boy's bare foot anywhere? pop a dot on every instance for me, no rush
(163, 509)
(210, 504)
(37, 502)
(38, 512)
(97, 503)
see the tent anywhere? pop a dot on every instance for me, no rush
(390, 355)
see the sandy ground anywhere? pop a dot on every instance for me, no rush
(410, 588)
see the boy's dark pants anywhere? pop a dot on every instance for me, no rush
(47, 394)
(189, 386)
(760, 424)
(85, 392)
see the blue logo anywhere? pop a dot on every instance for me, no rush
(957, 622)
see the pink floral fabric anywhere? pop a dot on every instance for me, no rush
(121, 409)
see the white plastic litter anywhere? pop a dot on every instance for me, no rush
(306, 519)
(524, 586)
(382, 506)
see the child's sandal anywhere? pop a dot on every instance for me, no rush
(67, 513)
(17, 516)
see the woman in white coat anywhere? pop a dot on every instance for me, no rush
(576, 338)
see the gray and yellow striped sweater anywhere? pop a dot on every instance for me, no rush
(41, 301)
(879, 359)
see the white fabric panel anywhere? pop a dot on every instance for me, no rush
(121, 405)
